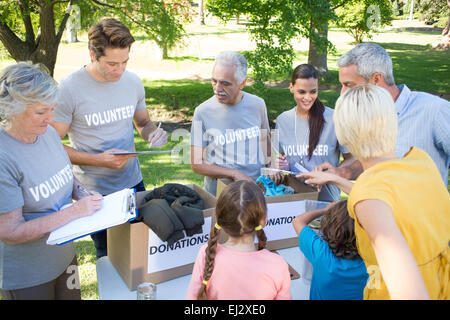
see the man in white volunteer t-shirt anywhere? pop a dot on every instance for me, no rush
(97, 107)
(230, 130)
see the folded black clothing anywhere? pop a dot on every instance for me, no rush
(163, 221)
(172, 191)
(189, 211)
(182, 206)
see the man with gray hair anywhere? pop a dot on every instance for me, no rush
(228, 128)
(422, 117)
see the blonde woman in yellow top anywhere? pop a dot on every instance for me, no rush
(400, 205)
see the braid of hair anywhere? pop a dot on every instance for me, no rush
(210, 254)
(262, 239)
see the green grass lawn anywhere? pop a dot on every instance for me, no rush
(420, 67)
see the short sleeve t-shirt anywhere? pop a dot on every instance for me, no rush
(237, 275)
(333, 278)
(101, 118)
(292, 138)
(412, 187)
(37, 177)
(234, 136)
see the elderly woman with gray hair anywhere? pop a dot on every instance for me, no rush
(400, 205)
(36, 182)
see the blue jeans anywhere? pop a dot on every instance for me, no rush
(99, 238)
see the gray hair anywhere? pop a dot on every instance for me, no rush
(370, 58)
(365, 120)
(24, 84)
(233, 58)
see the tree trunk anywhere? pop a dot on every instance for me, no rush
(202, 12)
(47, 46)
(165, 52)
(17, 48)
(40, 49)
(444, 44)
(358, 36)
(317, 58)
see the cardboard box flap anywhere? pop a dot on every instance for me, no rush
(208, 199)
(298, 184)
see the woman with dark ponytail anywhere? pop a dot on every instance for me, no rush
(238, 269)
(305, 133)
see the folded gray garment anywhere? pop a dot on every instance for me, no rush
(163, 221)
(190, 212)
(141, 198)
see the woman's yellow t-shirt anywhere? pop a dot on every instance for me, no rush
(420, 202)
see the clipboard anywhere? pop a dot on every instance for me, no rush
(117, 208)
(146, 152)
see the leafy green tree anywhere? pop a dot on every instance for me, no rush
(272, 24)
(362, 18)
(395, 8)
(433, 11)
(437, 12)
(161, 20)
(321, 12)
(32, 29)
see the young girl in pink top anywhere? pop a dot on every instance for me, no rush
(238, 269)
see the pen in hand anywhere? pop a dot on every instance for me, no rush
(150, 145)
(83, 190)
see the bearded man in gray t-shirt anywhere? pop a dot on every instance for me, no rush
(230, 130)
(97, 106)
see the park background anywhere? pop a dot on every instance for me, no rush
(177, 79)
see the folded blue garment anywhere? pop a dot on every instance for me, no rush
(272, 189)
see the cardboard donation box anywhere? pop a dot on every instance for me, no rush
(139, 255)
(281, 210)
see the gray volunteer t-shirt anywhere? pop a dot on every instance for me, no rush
(101, 117)
(293, 136)
(231, 135)
(37, 177)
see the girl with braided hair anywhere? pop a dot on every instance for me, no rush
(238, 269)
